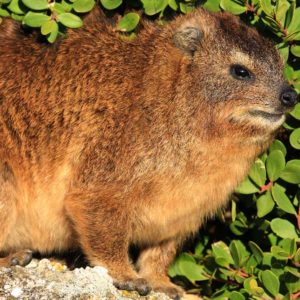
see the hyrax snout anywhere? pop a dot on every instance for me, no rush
(107, 143)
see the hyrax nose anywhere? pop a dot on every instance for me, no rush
(288, 97)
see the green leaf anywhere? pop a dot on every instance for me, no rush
(233, 6)
(282, 7)
(291, 172)
(83, 6)
(16, 17)
(296, 111)
(15, 7)
(201, 246)
(236, 296)
(270, 282)
(186, 7)
(240, 225)
(65, 5)
(34, 19)
(297, 256)
(221, 250)
(291, 282)
(264, 204)
(251, 264)
(284, 228)
(282, 200)
(295, 138)
(191, 271)
(48, 27)
(278, 145)
(238, 252)
(53, 34)
(4, 1)
(284, 50)
(212, 5)
(279, 253)
(289, 15)
(251, 286)
(288, 72)
(69, 20)
(129, 22)
(247, 187)
(258, 172)
(173, 4)
(257, 252)
(289, 245)
(266, 6)
(267, 259)
(36, 4)
(153, 7)
(295, 24)
(233, 210)
(295, 49)
(111, 4)
(3, 13)
(275, 164)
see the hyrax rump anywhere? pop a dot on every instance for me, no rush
(106, 143)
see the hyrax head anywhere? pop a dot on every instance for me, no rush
(237, 74)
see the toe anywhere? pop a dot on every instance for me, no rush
(21, 258)
(137, 284)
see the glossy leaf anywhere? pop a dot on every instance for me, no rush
(270, 282)
(258, 172)
(235, 7)
(275, 164)
(291, 172)
(36, 4)
(282, 200)
(70, 20)
(284, 228)
(33, 19)
(247, 187)
(153, 7)
(129, 22)
(83, 6)
(264, 204)
(278, 145)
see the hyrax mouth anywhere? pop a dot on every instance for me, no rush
(272, 117)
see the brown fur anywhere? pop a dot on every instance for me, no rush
(106, 143)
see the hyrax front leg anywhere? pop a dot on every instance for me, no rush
(103, 223)
(153, 265)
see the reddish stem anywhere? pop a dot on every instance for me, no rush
(266, 187)
(296, 295)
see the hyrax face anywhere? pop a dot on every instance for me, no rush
(237, 72)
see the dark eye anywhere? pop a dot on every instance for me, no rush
(240, 72)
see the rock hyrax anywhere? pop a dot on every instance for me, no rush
(106, 143)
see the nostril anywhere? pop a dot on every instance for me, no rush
(289, 98)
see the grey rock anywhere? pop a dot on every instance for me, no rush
(46, 280)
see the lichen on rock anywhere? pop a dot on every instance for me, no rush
(46, 280)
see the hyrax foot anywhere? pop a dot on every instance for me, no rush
(21, 258)
(133, 284)
(172, 290)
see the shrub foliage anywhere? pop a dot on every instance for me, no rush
(252, 250)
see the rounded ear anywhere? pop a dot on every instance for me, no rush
(188, 39)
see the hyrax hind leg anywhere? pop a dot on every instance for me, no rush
(153, 265)
(102, 223)
(8, 216)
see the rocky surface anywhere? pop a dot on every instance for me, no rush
(44, 279)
